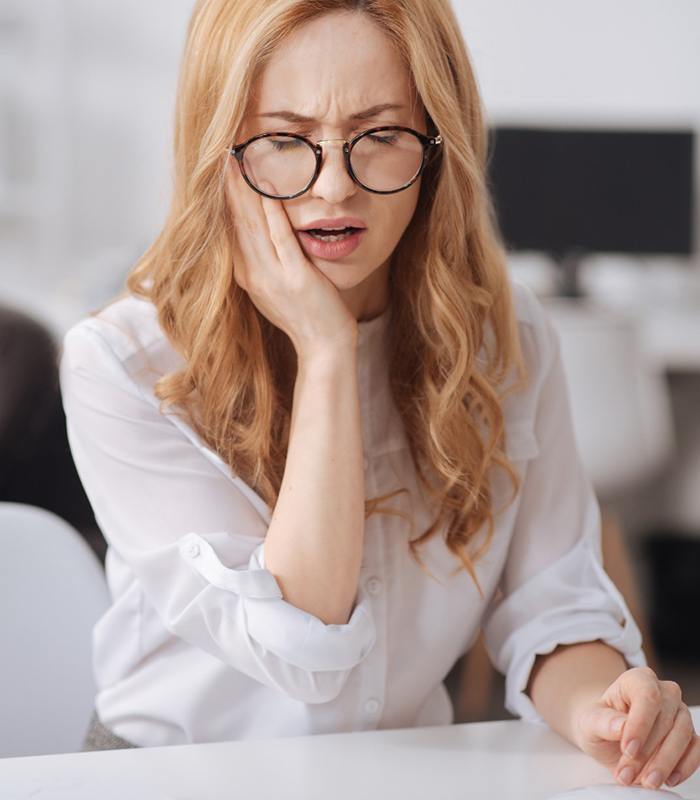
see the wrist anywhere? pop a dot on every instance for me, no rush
(327, 358)
(568, 681)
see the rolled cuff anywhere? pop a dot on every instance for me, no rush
(572, 601)
(290, 633)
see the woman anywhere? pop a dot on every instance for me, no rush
(321, 466)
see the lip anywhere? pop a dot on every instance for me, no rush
(338, 222)
(330, 251)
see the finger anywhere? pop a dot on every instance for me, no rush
(251, 232)
(640, 689)
(234, 186)
(671, 702)
(242, 199)
(630, 767)
(603, 723)
(240, 273)
(282, 233)
(670, 751)
(688, 763)
(235, 198)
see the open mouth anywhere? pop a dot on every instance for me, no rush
(331, 245)
(331, 236)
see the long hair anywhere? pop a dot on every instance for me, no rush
(454, 335)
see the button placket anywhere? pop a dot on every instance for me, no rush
(371, 699)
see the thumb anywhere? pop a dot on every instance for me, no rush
(603, 723)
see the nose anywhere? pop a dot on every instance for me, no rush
(333, 182)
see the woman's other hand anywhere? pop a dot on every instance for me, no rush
(641, 730)
(270, 265)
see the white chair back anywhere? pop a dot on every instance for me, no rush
(52, 592)
(620, 401)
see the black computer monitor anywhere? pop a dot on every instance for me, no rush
(571, 192)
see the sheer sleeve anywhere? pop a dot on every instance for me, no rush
(190, 536)
(554, 589)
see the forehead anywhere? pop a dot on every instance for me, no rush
(328, 69)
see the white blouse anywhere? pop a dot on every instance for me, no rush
(199, 644)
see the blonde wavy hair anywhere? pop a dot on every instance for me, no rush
(236, 386)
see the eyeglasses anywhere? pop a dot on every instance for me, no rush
(383, 160)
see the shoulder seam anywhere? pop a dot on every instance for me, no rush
(125, 340)
(104, 343)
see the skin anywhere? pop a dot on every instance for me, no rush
(314, 543)
(583, 690)
(328, 70)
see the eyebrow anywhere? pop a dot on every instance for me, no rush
(368, 113)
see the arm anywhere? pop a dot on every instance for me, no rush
(191, 531)
(555, 591)
(569, 679)
(314, 542)
(627, 719)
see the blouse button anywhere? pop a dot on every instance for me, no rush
(374, 586)
(372, 706)
(192, 550)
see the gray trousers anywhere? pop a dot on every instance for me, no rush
(99, 737)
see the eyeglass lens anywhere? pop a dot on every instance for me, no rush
(383, 161)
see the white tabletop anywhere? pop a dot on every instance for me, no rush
(490, 760)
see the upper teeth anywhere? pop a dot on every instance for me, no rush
(334, 229)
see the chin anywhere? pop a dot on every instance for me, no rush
(341, 276)
(342, 284)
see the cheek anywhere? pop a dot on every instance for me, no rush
(399, 213)
(387, 227)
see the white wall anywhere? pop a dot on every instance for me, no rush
(122, 62)
(599, 61)
(92, 88)
(627, 63)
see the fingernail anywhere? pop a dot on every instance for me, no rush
(626, 774)
(654, 780)
(616, 724)
(632, 748)
(673, 778)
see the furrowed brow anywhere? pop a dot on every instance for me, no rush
(368, 113)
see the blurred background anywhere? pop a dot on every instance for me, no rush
(594, 110)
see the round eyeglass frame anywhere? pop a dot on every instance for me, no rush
(428, 142)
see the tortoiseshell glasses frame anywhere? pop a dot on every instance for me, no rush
(427, 142)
